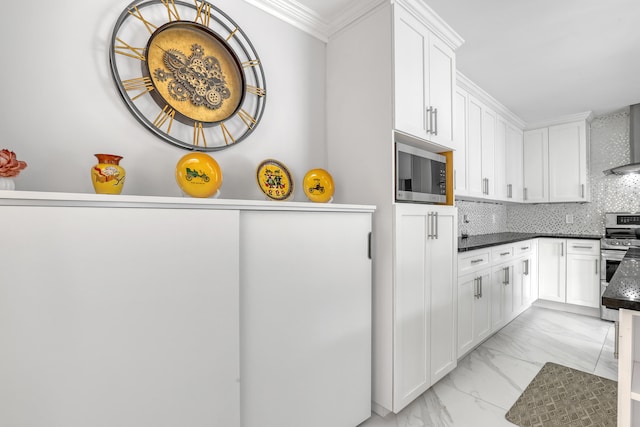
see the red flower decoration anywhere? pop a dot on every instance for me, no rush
(10, 166)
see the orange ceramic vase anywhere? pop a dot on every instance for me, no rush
(108, 176)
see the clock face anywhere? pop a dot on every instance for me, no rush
(188, 73)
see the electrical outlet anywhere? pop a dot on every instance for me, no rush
(569, 219)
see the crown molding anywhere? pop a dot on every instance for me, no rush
(466, 84)
(586, 116)
(296, 14)
(307, 20)
(433, 21)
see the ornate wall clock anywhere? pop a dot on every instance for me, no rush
(188, 73)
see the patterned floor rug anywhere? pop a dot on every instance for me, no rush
(561, 396)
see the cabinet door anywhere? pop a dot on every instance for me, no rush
(460, 154)
(306, 318)
(441, 75)
(411, 49)
(498, 285)
(425, 298)
(474, 309)
(488, 151)
(568, 162)
(412, 328)
(475, 182)
(514, 159)
(482, 308)
(536, 166)
(583, 280)
(131, 317)
(552, 269)
(467, 296)
(500, 160)
(442, 276)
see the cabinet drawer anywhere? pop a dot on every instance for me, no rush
(583, 246)
(502, 253)
(473, 260)
(523, 248)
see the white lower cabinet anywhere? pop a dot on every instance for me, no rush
(494, 292)
(164, 314)
(425, 299)
(305, 290)
(474, 309)
(131, 317)
(569, 271)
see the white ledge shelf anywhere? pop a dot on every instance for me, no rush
(39, 198)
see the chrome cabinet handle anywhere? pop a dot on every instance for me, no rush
(524, 194)
(475, 261)
(475, 287)
(596, 266)
(524, 248)
(562, 249)
(435, 120)
(505, 253)
(582, 247)
(436, 225)
(480, 287)
(428, 119)
(526, 264)
(505, 276)
(582, 190)
(509, 191)
(430, 225)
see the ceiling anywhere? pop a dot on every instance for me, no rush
(542, 59)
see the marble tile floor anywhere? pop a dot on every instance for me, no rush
(489, 379)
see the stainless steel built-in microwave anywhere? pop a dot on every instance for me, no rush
(421, 176)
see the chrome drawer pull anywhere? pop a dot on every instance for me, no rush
(582, 247)
(505, 253)
(475, 261)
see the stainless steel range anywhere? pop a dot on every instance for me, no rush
(622, 231)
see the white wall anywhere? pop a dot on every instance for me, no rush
(61, 105)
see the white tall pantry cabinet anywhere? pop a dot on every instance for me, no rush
(367, 86)
(425, 298)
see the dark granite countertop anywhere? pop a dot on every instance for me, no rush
(623, 290)
(486, 240)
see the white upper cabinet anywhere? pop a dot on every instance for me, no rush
(536, 166)
(514, 164)
(488, 144)
(568, 160)
(556, 160)
(460, 142)
(424, 78)
(500, 162)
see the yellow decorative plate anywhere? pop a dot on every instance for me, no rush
(198, 175)
(274, 179)
(318, 185)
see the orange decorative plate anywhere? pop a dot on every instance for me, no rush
(198, 175)
(274, 179)
(318, 185)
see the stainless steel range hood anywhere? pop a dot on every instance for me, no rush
(634, 142)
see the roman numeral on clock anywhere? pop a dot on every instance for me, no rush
(142, 84)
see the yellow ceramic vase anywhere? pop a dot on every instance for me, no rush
(108, 176)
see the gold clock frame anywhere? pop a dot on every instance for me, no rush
(188, 73)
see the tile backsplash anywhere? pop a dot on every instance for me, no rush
(609, 148)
